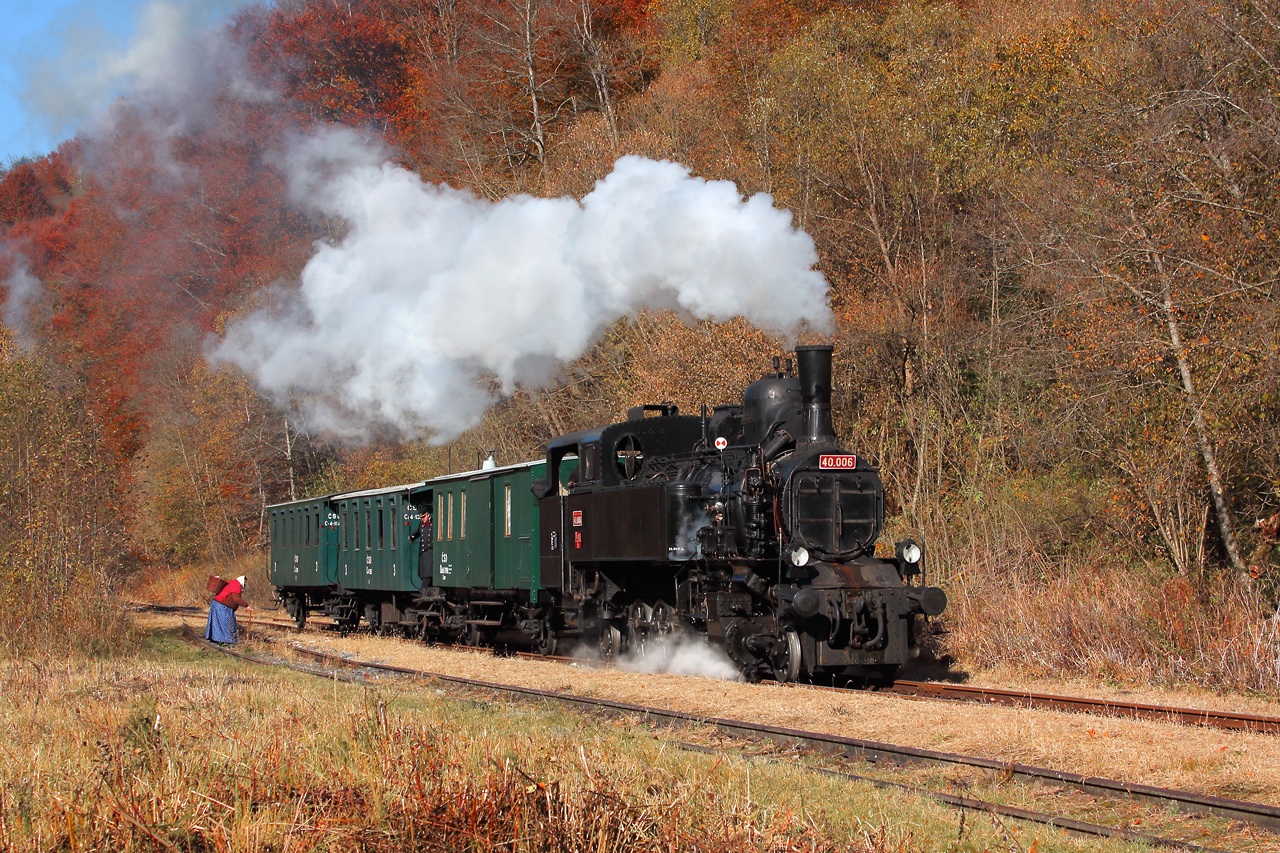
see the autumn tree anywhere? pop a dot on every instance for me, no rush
(1176, 223)
(62, 546)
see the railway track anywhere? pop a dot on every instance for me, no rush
(1244, 812)
(937, 691)
(1102, 707)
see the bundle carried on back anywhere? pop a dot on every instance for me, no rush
(215, 584)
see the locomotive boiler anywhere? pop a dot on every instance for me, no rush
(749, 524)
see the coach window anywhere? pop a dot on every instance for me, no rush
(439, 518)
(394, 532)
(293, 530)
(508, 511)
(382, 526)
(462, 512)
(368, 525)
(316, 527)
(449, 535)
(355, 519)
(306, 529)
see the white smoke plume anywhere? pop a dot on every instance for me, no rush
(21, 290)
(431, 290)
(176, 57)
(683, 654)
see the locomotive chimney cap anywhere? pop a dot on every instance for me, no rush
(815, 389)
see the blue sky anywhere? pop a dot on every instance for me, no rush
(34, 31)
(63, 61)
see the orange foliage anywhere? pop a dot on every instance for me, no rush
(342, 63)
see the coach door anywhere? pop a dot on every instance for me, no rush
(477, 526)
(329, 537)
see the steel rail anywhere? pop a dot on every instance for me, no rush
(1257, 814)
(139, 607)
(1070, 825)
(1227, 720)
(1104, 707)
(1067, 824)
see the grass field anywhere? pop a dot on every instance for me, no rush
(175, 748)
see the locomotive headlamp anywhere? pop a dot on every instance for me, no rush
(908, 552)
(800, 556)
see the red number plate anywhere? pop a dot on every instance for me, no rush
(577, 518)
(830, 461)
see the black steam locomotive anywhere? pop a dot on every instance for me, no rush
(749, 525)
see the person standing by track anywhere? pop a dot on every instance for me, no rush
(222, 612)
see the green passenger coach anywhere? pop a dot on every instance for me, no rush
(355, 556)
(303, 547)
(377, 574)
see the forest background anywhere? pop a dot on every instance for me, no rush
(1049, 232)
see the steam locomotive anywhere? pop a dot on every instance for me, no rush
(748, 525)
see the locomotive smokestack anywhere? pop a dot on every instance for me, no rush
(815, 390)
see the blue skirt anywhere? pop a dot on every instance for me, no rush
(222, 623)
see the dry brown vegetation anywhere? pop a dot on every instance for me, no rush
(1211, 761)
(176, 750)
(61, 541)
(1050, 231)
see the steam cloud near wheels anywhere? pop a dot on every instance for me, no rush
(432, 292)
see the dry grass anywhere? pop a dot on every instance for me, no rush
(1125, 627)
(82, 619)
(1230, 764)
(177, 750)
(1034, 583)
(185, 585)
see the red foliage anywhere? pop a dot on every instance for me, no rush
(343, 63)
(152, 250)
(142, 241)
(32, 190)
(764, 24)
(614, 17)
